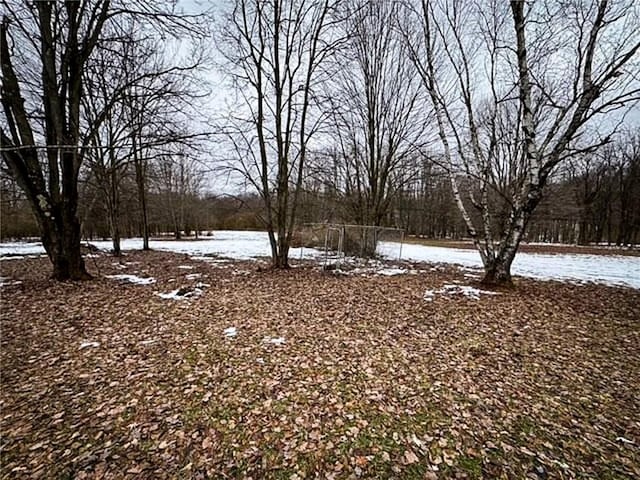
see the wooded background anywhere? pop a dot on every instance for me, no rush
(595, 199)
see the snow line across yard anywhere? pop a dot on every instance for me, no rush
(241, 245)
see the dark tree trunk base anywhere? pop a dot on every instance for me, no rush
(497, 277)
(65, 252)
(280, 261)
(64, 273)
(80, 277)
(280, 264)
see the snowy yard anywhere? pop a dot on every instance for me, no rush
(603, 269)
(246, 245)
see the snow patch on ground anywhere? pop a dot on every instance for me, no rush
(355, 266)
(184, 293)
(386, 272)
(172, 295)
(19, 257)
(471, 269)
(213, 260)
(625, 440)
(84, 345)
(230, 332)
(133, 279)
(390, 272)
(193, 276)
(6, 281)
(240, 272)
(20, 249)
(450, 290)
(185, 267)
(274, 340)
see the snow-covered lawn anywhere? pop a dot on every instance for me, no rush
(9, 250)
(606, 269)
(239, 245)
(243, 245)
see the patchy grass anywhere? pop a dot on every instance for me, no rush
(371, 381)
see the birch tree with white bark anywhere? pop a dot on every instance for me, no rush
(518, 88)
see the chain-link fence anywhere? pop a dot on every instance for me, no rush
(339, 242)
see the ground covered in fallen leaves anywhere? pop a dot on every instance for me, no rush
(239, 372)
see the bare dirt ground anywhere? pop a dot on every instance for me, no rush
(535, 248)
(372, 381)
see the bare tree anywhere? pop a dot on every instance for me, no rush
(178, 180)
(65, 36)
(626, 169)
(571, 63)
(108, 159)
(274, 51)
(377, 110)
(45, 49)
(161, 107)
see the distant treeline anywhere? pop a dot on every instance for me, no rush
(595, 199)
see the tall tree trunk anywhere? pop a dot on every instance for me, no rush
(58, 222)
(60, 234)
(498, 272)
(273, 243)
(113, 203)
(281, 259)
(497, 262)
(145, 219)
(54, 203)
(114, 230)
(142, 196)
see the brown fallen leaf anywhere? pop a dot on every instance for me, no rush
(410, 457)
(361, 461)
